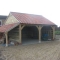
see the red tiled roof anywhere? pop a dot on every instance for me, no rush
(8, 27)
(31, 19)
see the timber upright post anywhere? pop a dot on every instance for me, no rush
(39, 30)
(53, 33)
(20, 34)
(39, 34)
(6, 35)
(53, 27)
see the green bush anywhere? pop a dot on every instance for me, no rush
(57, 32)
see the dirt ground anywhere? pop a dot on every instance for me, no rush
(42, 51)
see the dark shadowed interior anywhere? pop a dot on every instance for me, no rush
(29, 33)
(46, 33)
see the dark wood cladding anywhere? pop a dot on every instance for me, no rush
(14, 34)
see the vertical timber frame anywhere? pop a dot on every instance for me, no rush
(6, 35)
(39, 29)
(20, 32)
(53, 27)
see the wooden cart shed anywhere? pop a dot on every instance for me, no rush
(22, 26)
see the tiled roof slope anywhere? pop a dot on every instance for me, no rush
(8, 27)
(31, 19)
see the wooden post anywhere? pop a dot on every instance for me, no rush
(6, 35)
(20, 34)
(53, 27)
(39, 34)
(53, 33)
(39, 29)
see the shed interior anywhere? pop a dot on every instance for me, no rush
(29, 34)
(46, 33)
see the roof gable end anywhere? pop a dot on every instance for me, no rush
(11, 19)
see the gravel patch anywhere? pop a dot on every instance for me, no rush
(43, 51)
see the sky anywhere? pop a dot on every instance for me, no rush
(47, 8)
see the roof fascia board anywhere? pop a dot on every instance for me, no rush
(39, 24)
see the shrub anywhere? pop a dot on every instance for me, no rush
(57, 32)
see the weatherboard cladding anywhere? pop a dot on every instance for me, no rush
(10, 20)
(31, 19)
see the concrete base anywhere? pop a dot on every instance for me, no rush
(39, 41)
(30, 41)
(6, 45)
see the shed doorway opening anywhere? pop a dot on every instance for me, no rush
(29, 34)
(46, 33)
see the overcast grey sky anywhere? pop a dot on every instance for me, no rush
(48, 8)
